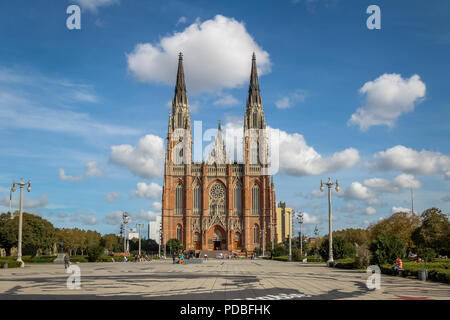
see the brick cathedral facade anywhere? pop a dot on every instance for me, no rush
(218, 204)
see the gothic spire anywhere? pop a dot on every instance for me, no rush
(180, 87)
(254, 113)
(180, 104)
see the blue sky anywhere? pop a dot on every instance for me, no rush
(70, 98)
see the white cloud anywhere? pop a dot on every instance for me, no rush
(64, 177)
(400, 209)
(151, 191)
(310, 219)
(84, 218)
(144, 216)
(145, 160)
(349, 207)
(411, 161)
(91, 170)
(289, 101)
(387, 98)
(113, 218)
(217, 55)
(157, 206)
(395, 186)
(28, 203)
(370, 211)
(295, 157)
(357, 191)
(93, 5)
(226, 100)
(112, 196)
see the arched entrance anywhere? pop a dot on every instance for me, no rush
(218, 238)
(237, 241)
(197, 241)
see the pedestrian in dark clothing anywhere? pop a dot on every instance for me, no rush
(66, 261)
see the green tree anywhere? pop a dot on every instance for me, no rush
(385, 248)
(110, 242)
(278, 251)
(358, 236)
(400, 225)
(37, 233)
(342, 248)
(174, 245)
(434, 232)
(94, 252)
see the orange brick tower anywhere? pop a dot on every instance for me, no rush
(216, 204)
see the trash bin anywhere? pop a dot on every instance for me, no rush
(422, 274)
(5, 265)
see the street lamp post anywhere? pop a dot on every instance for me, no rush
(139, 224)
(330, 232)
(316, 234)
(300, 221)
(160, 239)
(125, 221)
(21, 184)
(290, 236)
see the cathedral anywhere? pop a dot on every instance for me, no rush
(218, 204)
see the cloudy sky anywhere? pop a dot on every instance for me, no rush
(83, 113)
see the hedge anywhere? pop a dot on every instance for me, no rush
(286, 258)
(12, 263)
(437, 271)
(348, 263)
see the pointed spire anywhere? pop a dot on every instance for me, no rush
(254, 85)
(180, 87)
(180, 104)
(254, 114)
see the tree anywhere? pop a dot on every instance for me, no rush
(278, 251)
(37, 233)
(110, 242)
(400, 225)
(358, 236)
(342, 248)
(174, 245)
(434, 233)
(94, 252)
(386, 248)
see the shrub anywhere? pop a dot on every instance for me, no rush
(278, 251)
(281, 258)
(427, 254)
(386, 248)
(11, 263)
(348, 263)
(94, 253)
(437, 271)
(78, 259)
(342, 249)
(258, 251)
(296, 256)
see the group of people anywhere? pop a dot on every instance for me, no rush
(178, 258)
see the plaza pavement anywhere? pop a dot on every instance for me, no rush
(213, 279)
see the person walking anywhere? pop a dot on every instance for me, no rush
(66, 261)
